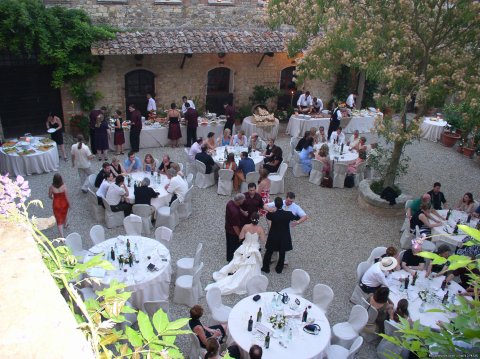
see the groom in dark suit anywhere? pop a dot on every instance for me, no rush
(279, 238)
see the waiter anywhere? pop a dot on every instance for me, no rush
(230, 115)
(304, 102)
(93, 120)
(135, 127)
(334, 120)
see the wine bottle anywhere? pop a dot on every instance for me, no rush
(130, 259)
(120, 261)
(112, 254)
(414, 279)
(225, 153)
(129, 181)
(445, 298)
(449, 213)
(304, 315)
(259, 315)
(267, 341)
(250, 324)
(407, 282)
(469, 218)
(128, 245)
(341, 149)
(455, 230)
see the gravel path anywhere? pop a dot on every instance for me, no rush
(329, 246)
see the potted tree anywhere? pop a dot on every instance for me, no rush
(453, 116)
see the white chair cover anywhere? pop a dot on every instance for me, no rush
(196, 351)
(339, 352)
(406, 238)
(300, 281)
(406, 222)
(185, 208)
(297, 168)
(225, 183)
(369, 331)
(133, 225)
(203, 180)
(97, 234)
(188, 289)
(358, 294)
(257, 284)
(251, 177)
(185, 266)
(112, 219)
(277, 183)
(322, 296)
(345, 333)
(386, 348)
(144, 211)
(377, 252)
(180, 164)
(91, 181)
(360, 176)
(293, 144)
(190, 180)
(316, 172)
(98, 212)
(164, 236)
(74, 242)
(220, 312)
(151, 307)
(168, 216)
(339, 173)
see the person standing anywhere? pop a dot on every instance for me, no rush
(334, 120)
(304, 102)
(351, 101)
(230, 115)
(151, 105)
(135, 127)
(93, 119)
(58, 193)
(101, 138)
(191, 117)
(119, 135)
(233, 224)
(174, 132)
(317, 105)
(279, 238)
(81, 157)
(253, 203)
(184, 104)
(55, 123)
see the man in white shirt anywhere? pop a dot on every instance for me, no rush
(255, 142)
(177, 186)
(374, 277)
(196, 148)
(351, 100)
(317, 105)
(304, 102)
(338, 137)
(103, 189)
(151, 106)
(81, 157)
(185, 100)
(116, 195)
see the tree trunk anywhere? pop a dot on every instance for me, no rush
(389, 179)
(360, 88)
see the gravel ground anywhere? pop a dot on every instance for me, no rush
(328, 246)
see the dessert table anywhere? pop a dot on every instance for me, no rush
(302, 345)
(145, 285)
(157, 182)
(348, 155)
(21, 158)
(219, 157)
(265, 132)
(444, 234)
(432, 128)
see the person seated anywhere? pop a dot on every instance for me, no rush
(466, 204)
(178, 187)
(255, 352)
(414, 207)
(203, 333)
(225, 139)
(390, 252)
(268, 150)
(230, 164)
(374, 277)
(149, 164)
(411, 261)
(317, 105)
(255, 142)
(306, 155)
(304, 102)
(165, 165)
(117, 167)
(302, 141)
(421, 219)
(176, 167)
(132, 163)
(476, 214)
(361, 145)
(438, 199)
(196, 148)
(144, 193)
(323, 156)
(354, 139)
(239, 139)
(337, 137)
(104, 172)
(439, 269)
(245, 165)
(274, 161)
(384, 306)
(205, 158)
(320, 135)
(210, 142)
(102, 190)
(213, 350)
(116, 195)
(352, 167)
(401, 312)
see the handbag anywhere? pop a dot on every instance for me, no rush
(327, 181)
(349, 181)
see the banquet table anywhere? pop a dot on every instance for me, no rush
(432, 129)
(302, 346)
(219, 159)
(265, 132)
(428, 319)
(157, 183)
(144, 284)
(40, 161)
(443, 234)
(348, 155)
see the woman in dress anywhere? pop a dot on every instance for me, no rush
(268, 151)
(230, 162)
(101, 137)
(119, 136)
(274, 161)
(421, 219)
(264, 189)
(246, 261)
(149, 163)
(203, 333)
(466, 204)
(302, 141)
(384, 306)
(210, 142)
(174, 132)
(306, 155)
(225, 139)
(401, 312)
(57, 136)
(58, 192)
(352, 167)
(117, 167)
(324, 157)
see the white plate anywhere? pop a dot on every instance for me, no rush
(51, 130)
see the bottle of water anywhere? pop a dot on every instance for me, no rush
(422, 307)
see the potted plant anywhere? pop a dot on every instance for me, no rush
(449, 136)
(469, 148)
(79, 124)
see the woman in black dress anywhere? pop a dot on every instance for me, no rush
(174, 132)
(119, 136)
(274, 161)
(101, 137)
(57, 136)
(203, 333)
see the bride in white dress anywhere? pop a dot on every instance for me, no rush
(246, 262)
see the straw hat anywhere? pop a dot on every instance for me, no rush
(387, 263)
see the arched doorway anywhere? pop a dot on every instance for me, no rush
(218, 89)
(288, 87)
(137, 84)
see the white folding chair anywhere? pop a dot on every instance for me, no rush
(322, 296)
(196, 350)
(220, 312)
(370, 329)
(339, 352)
(377, 252)
(225, 183)
(133, 225)
(151, 307)
(360, 175)
(145, 212)
(293, 144)
(180, 164)
(97, 211)
(190, 180)
(406, 238)
(316, 173)
(251, 177)
(185, 208)
(112, 219)
(339, 174)
(188, 289)
(91, 181)
(345, 333)
(164, 236)
(406, 222)
(74, 242)
(257, 284)
(187, 265)
(386, 348)
(202, 179)
(299, 282)
(168, 216)
(358, 293)
(297, 168)
(277, 182)
(97, 234)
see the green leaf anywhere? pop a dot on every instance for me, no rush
(429, 255)
(459, 263)
(435, 310)
(160, 321)
(133, 337)
(177, 324)
(145, 326)
(472, 232)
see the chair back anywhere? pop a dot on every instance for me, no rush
(97, 234)
(164, 235)
(361, 170)
(198, 255)
(376, 253)
(196, 279)
(225, 175)
(91, 180)
(322, 296)
(188, 195)
(317, 165)
(361, 269)
(133, 225)
(143, 210)
(372, 312)
(92, 197)
(107, 206)
(74, 242)
(356, 345)
(153, 306)
(190, 180)
(400, 256)
(214, 298)
(293, 144)
(408, 203)
(358, 318)
(257, 284)
(417, 231)
(340, 168)
(300, 280)
(180, 164)
(200, 166)
(282, 169)
(392, 329)
(174, 207)
(252, 177)
(296, 156)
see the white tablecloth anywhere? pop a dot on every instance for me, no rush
(414, 301)
(219, 156)
(440, 234)
(163, 198)
(152, 136)
(38, 162)
(299, 124)
(145, 285)
(264, 132)
(432, 130)
(303, 345)
(348, 155)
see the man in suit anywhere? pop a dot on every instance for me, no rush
(204, 157)
(279, 238)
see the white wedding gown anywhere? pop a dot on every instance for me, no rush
(246, 263)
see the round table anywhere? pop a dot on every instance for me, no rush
(432, 129)
(219, 158)
(302, 346)
(157, 183)
(348, 155)
(428, 319)
(144, 284)
(40, 161)
(265, 132)
(443, 234)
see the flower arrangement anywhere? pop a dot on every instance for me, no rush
(278, 321)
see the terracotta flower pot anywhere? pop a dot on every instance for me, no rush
(449, 139)
(468, 152)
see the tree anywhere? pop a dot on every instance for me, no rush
(412, 48)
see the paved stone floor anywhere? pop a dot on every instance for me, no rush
(329, 246)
